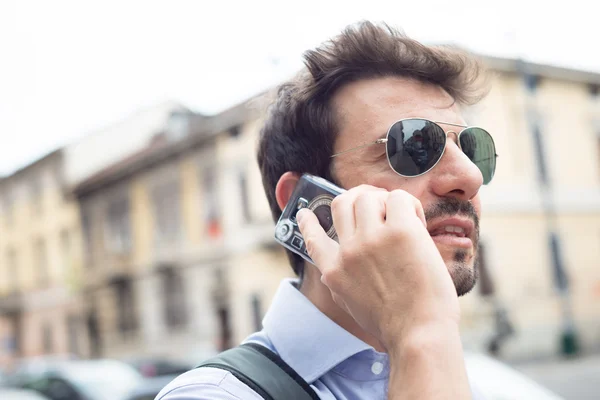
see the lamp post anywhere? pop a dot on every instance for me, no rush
(569, 344)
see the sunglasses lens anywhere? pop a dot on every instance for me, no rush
(414, 146)
(479, 146)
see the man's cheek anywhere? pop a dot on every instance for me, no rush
(476, 201)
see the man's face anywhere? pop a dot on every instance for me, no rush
(449, 192)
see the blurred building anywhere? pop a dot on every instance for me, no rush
(178, 241)
(177, 253)
(41, 252)
(97, 150)
(40, 259)
(546, 124)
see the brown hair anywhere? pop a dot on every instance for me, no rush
(300, 128)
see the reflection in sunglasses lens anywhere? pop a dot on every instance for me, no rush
(414, 146)
(478, 145)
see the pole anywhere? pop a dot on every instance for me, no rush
(568, 342)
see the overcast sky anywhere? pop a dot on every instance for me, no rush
(68, 68)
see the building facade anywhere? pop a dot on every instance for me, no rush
(180, 262)
(40, 260)
(41, 249)
(541, 215)
(176, 253)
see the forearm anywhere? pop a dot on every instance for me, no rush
(429, 365)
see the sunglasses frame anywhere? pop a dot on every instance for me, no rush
(438, 123)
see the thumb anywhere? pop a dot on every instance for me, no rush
(321, 248)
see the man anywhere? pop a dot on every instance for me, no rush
(378, 314)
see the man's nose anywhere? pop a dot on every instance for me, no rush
(456, 175)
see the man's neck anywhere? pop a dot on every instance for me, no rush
(320, 296)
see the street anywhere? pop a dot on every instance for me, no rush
(573, 379)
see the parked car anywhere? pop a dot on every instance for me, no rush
(3, 379)
(150, 387)
(18, 394)
(82, 380)
(498, 381)
(152, 367)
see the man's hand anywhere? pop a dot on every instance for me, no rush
(387, 273)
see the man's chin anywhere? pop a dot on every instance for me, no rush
(463, 275)
(462, 269)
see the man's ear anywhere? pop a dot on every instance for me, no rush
(285, 187)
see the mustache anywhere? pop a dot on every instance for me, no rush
(449, 206)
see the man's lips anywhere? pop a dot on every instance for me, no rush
(455, 231)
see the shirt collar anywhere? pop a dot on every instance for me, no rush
(305, 338)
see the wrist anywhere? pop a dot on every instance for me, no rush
(426, 340)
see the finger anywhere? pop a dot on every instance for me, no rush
(369, 211)
(320, 247)
(342, 210)
(420, 211)
(402, 208)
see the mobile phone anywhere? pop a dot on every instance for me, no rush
(316, 194)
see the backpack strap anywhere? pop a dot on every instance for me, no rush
(263, 371)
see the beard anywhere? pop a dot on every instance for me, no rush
(462, 268)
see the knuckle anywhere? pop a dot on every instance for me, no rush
(403, 197)
(338, 201)
(349, 254)
(396, 232)
(361, 197)
(399, 194)
(362, 188)
(331, 278)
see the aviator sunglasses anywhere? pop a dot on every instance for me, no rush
(415, 145)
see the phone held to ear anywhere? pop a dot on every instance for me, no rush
(316, 194)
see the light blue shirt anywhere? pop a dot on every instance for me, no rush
(336, 364)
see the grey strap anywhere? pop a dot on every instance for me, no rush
(264, 372)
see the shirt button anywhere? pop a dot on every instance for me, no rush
(377, 368)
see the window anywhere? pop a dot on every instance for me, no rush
(175, 312)
(210, 211)
(531, 82)
(41, 257)
(118, 235)
(166, 212)
(65, 245)
(243, 183)
(14, 340)
(86, 227)
(224, 328)
(94, 333)
(486, 283)
(256, 312)
(594, 90)
(9, 209)
(235, 131)
(72, 324)
(13, 270)
(47, 338)
(37, 196)
(125, 303)
(220, 299)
